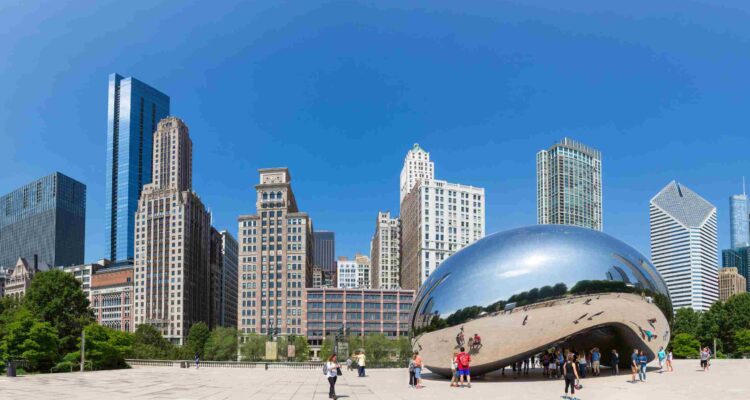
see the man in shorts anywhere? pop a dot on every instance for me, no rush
(463, 359)
(634, 363)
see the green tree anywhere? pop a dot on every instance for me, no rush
(221, 344)
(197, 338)
(56, 297)
(302, 349)
(327, 348)
(378, 348)
(737, 318)
(148, 343)
(742, 341)
(685, 346)
(105, 349)
(28, 338)
(405, 350)
(254, 347)
(686, 320)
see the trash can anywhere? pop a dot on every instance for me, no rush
(11, 368)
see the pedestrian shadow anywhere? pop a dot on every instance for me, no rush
(535, 375)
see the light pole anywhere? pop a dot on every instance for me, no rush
(83, 348)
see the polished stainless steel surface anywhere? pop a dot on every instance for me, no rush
(527, 289)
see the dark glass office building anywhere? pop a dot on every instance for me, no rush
(134, 110)
(738, 258)
(324, 253)
(47, 218)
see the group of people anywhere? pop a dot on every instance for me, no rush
(553, 361)
(460, 369)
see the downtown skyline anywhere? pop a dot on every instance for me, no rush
(642, 149)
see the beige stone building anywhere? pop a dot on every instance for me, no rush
(112, 297)
(18, 281)
(385, 253)
(731, 282)
(275, 252)
(172, 236)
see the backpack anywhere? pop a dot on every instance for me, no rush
(325, 369)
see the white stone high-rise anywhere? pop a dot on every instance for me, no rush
(417, 165)
(354, 274)
(172, 240)
(438, 218)
(684, 246)
(385, 253)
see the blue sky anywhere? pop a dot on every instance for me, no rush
(339, 91)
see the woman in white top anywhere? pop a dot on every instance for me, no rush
(669, 361)
(454, 370)
(332, 367)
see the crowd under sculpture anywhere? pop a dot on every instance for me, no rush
(526, 290)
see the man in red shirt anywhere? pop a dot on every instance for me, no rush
(463, 359)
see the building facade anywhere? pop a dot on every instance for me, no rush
(172, 240)
(569, 185)
(215, 265)
(739, 226)
(19, 279)
(354, 273)
(324, 254)
(133, 111)
(684, 246)
(731, 283)
(438, 218)
(385, 252)
(276, 256)
(84, 273)
(112, 297)
(738, 258)
(46, 218)
(361, 311)
(417, 166)
(229, 257)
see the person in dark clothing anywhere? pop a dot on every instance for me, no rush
(570, 372)
(331, 370)
(615, 362)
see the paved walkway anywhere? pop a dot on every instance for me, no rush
(728, 379)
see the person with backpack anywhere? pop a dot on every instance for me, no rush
(330, 370)
(412, 379)
(417, 370)
(463, 359)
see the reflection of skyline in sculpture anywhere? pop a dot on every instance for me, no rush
(528, 289)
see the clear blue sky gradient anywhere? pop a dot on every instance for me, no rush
(339, 91)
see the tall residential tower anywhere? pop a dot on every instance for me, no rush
(417, 166)
(172, 240)
(133, 111)
(385, 252)
(569, 185)
(684, 246)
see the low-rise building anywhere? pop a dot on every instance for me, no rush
(112, 297)
(84, 272)
(19, 280)
(360, 311)
(731, 282)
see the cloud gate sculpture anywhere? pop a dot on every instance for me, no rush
(525, 290)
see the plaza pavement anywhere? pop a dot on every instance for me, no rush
(727, 379)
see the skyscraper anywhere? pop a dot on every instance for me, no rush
(569, 185)
(438, 218)
(134, 109)
(738, 258)
(730, 283)
(46, 218)
(276, 252)
(417, 165)
(684, 246)
(739, 228)
(229, 254)
(385, 253)
(172, 240)
(324, 254)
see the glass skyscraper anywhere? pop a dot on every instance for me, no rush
(134, 110)
(324, 249)
(47, 218)
(569, 185)
(739, 234)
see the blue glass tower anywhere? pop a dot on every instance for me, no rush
(46, 218)
(133, 111)
(739, 234)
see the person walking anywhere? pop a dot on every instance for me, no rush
(197, 360)
(705, 357)
(615, 361)
(662, 355)
(595, 361)
(454, 370)
(571, 374)
(417, 370)
(463, 359)
(642, 361)
(361, 364)
(330, 370)
(669, 361)
(560, 362)
(634, 363)
(553, 365)
(412, 379)
(582, 364)
(349, 364)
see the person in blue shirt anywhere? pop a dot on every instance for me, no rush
(662, 356)
(595, 358)
(634, 363)
(642, 361)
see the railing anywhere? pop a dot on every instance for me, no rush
(225, 364)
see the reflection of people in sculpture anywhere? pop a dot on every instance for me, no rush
(460, 337)
(476, 344)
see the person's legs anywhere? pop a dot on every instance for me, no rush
(468, 377)
(331, 389)
(642, 373)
